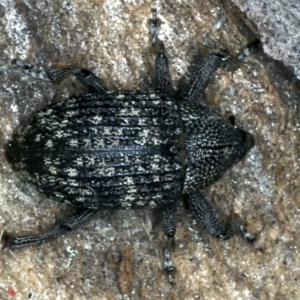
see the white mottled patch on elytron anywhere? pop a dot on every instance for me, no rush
(48, 112)
(167, 167)
(142, 122)
(51, 179)
(128, 180)
(124, 112)
(71, 172)
(119, 132)
(178, 166)
(156, 157)
(131, 190)
(96, 119)
(152, 204)
(42, 121)
(85, 192)
(120, 96)
(144, 133)
(80, 199)
(70, 113)
(73, 182)
(59, 134)
(73, 143)
(60, 103)
(153, 96)
(90, 160)
(38, 137)
(53, 170)
(135, 112)
(127, 160)
(107, 171)
(142, 141)
(127, 204)
(64, 122)
(156, 141)
(47, 161)
(87, 143)
(115, 143)
(71, 191)
(156, 178)
(58, 195)
(155, 121)
(79, 161)
(141, 169)
(125, 121)
(128, 198)
(107, 131)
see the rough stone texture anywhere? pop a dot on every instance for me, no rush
(119, 254)
(278, 25)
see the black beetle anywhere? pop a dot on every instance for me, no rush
(130, 149)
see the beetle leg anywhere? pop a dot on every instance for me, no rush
(245, 52)
(80, 216)
(169, 229)
(202, 76)
(218, 229)
(154, 27)
(205, 70)
(169, 222)
(162, 75)
(86, 77)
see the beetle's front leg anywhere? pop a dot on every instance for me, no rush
(169, 229)
(205, 70)
(209, 219)
(80, 216)
(202, 76)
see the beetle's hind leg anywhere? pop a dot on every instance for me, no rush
(76, 219)
(86, 77)
(170, 230)
(162, 75)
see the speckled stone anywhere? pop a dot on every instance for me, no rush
(278, 26)
(119, 254)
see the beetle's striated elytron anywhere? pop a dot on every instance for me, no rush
(131, 149)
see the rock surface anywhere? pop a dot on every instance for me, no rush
(119, 254)
(278, 26)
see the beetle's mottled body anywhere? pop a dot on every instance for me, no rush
(110, 150)
(126, 150)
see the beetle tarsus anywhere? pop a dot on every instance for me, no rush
(80, 216)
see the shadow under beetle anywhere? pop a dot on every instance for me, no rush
(130, 149)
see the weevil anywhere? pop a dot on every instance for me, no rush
(130, 150)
